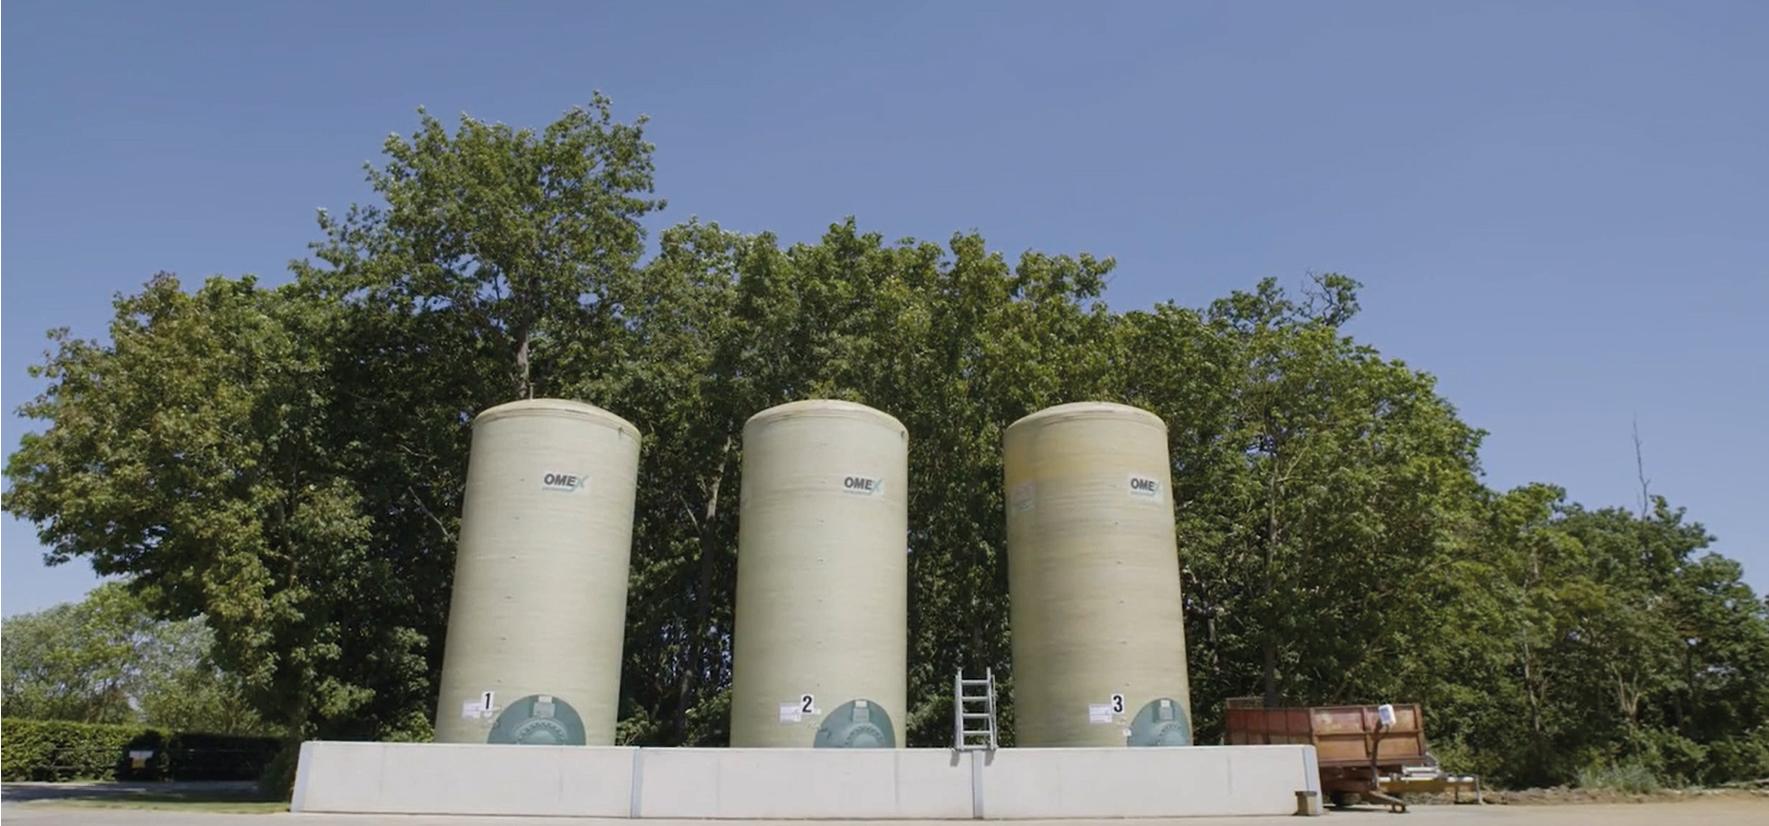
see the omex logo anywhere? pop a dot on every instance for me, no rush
(863, 485)
(564, 482)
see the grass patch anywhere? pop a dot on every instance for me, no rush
(1633, 778)
(171, 803)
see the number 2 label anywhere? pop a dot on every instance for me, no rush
(808, 703)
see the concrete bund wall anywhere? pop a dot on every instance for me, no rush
(884, 784)
(1146, 782)
(872, 784)
(463, 779)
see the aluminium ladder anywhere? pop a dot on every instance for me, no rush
(973, 713)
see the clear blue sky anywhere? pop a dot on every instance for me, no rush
(1560, 209)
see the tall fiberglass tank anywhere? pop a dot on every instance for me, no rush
(539, 609)
(1093, 576)
(821, 649)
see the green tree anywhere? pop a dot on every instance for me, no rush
(287, 462)
(1589, 638)
(76, 661)
(521, 234)
(107, 659)
(1315, 483)
(190, 454)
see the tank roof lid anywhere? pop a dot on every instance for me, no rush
(1090, 410)
(564, 408)
(834, 408)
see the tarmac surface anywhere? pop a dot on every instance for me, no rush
(28, 792)
(71, 804)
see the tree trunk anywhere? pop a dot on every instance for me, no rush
(524, 388)
(1272, 493)
(1532, 691)
(703, 597)
(1271, 673)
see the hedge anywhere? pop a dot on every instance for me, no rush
(197, 756)
(58, 750)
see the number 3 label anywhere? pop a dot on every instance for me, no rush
(1117, 704)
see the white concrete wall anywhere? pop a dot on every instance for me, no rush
(880, 784)
(1146, 782)
(463, 779)
(431, 778)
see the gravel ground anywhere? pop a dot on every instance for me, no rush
(36, 806)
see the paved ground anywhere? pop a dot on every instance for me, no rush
(26, 792)
(33, 804)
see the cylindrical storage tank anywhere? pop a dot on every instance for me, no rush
(820, 645)
(1093, 578)
(539, 609)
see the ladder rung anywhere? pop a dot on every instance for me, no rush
(974, 682)
(974, 716)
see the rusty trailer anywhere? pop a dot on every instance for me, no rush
(1359, 754)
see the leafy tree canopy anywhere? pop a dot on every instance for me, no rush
(107, 659)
